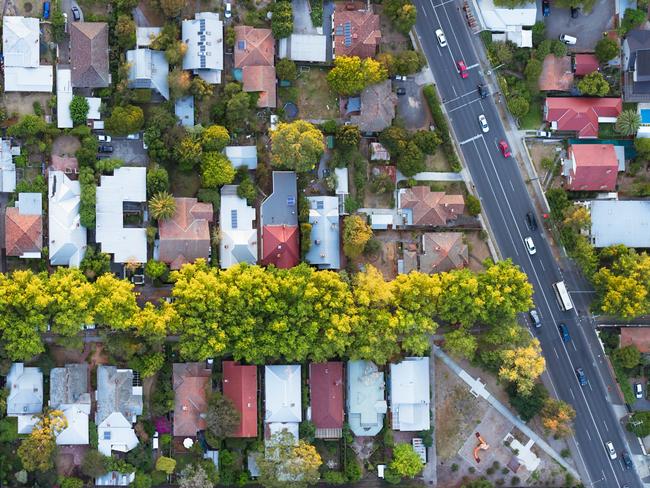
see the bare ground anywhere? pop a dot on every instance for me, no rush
(478, 250)
(23, 103)
(437, 162)
(539, 151)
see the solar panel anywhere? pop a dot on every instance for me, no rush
(339, 30)
(291, 201)
(202, 62)
(241, 45)
(202, 24)
(348, 34)
(107, 435)
(233, 218)
(320, 205)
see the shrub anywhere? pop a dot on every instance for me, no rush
(473, 205)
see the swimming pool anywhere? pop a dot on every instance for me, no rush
(645, 115)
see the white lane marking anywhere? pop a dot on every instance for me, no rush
(459, 97)
(572, 395)
(556, 354)
(511, 185)
(470, 139)
(476, 65)
(453, 87)
(462, 56)
(463, 105)
(574, 346)
(425, 12)
(589, 383)
(541, 263)
(605, 424)
(443, 3)
(588, 434)
(451, 54)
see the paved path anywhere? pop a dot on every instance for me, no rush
(432, 176)
(477, 388)
(430, 473)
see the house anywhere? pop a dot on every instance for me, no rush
(584, 64)
(638, 337)
(203, 36)
(282, 399)
(144, 36)
(115, 478)
(636, 65)
(184, 110)
(94, 114)
(377, 108)
(242, 156)
(186, 236)
(443, 251)
(122, 192)
(237, 219)
(325, 249)
(63, 98)
(279, 217)
(421, 206)
(365, 398)
(304, 48)
(21, 53)
(148, 69)
(255, 57)
(67, 237)
(513, 22)
(89, 54)
(591, 167)
(326, 397)
(7, 166)
(119, 402)
(620, 222)
(24, 226)
(240, 385)
(25, 397)
(191, 382)
(581, 115)
(355, 32)
(378, 152)
(69, 393)
(409, 394)
(556, 74)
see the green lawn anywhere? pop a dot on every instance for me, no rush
(533, 119)
(606, 131)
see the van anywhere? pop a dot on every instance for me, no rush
(567, 39)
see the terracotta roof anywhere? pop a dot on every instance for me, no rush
(580, 114)
(191, 383)
(359, 27)
(556, 74)
(585, 64)
(443, 251)
(261, 79)
(89, 54)
(596, 167)
(240, 385)
(431, 208)
(23, 233)
(254, 47)
(186, 237)
(326, 386)
(280, 246)
(636, 336)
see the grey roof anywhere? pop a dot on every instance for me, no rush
(69, 385)
(643, 65)
(115, 393)
(242, 156)
(281, 206)
(25, 390)
(634, 40)
(325, 233)
(184, 110)
(148, 69)
(89, 53)
(365, 398)
(377, 107)
(203, 36)
(620, 222)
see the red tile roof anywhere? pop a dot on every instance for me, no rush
(431, 208)
(585, 64)
(326, 386)
(23, 233)
(580, 114)
(364, 33)
(636, 336)
(280, 246)
(596, 167)
(240, 385)
(191, 381)
(253, 47)
(261, 79)
(186, 236)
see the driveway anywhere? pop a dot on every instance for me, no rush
(588, 28)
(132, 152)
(410, 106)
(301, 18)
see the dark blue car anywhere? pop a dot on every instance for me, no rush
(46, 10)
(564, 332)
(582, 379)
(546, 8)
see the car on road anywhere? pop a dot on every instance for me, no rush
(46, 10)
(105, 149)
(505, 150)
(575, 11)
(546, 8)
(627, 460)
(103, 138)
(564, 332)
(582, 379)
(531, 221)
(228, 13)
(442, 40)
(567, 39)
(482, 121)
(76, 15)
(482, 91)
(530, 245)
(609, 447)
(534, 318)
(400, 91)
(462, 69)
(638, 390)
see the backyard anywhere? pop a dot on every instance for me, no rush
(312, 95)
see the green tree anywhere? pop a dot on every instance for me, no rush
(402, 13)
(287, 465)
(532, 71)
(157, 180)
(142, 480)
(406, 462)
(155, 269)
(427, 140)
(527, 406)
(125, 31)
(215, 138)
(395, 139)
(518, 106)
(557, 416)
(166, 464)
(216, 170)
(162, 206)
(79, 110)
(222, 417)
(180, 82)
(286, 69)
(606, 49)
(115, 303)
(558, 48)
(347, 136)
(502, 51)
(639, 424)
(125, 120)
(460, 343)
(194, 476)
(282, 20)
(95, 263)
(539, 33)
(628, 357)
(594, 84)
(411, 160)
(472, 205)
(58, 24)
(72, 301)
(351, 74)
(408, 62)
(37, 451)
(297, 145)
(237, 110)
(175, 52)
(628, 122)
(522, 366)
(29, 126)
(642, 146)
(172, 8)
(632, 19)
(189, 152)
(69, 482)
(246, 189)
(356, 233)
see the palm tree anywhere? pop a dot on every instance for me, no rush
(162, 206)
(628, 122)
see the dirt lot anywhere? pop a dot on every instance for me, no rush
(391, 40)
(315, 99)
(478, 250)
(437, 162)
(539, 151)
(23, 103)
(65, 146)
(386, 260)
(28, 8)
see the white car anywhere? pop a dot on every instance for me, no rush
(103, 138)
(441, 38)
(228, 13)
(610, 449)
(483, 123)
(567, 39)
(530, 245)
(638, 390)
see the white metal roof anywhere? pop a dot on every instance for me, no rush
(67, 237)
(282, 393)
(93, 108)
(304, 47)
(25, 395)
(7, 168)
(409, 394)
(203, 36)
(341, 181)
(238, 237)
(324, 251)
(503, 19)
(63, 98)
(20, 41)
(144, 35)
(76, 433)
(242, 156)
(128, 184)
(40, 79)
(620, 222)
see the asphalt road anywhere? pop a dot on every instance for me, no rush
(505, 202)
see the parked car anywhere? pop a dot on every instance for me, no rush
(609, 447)
(228, 13)
(400, 91)
(534, 318)
(46, 10)
(530, 245)
(564, 332)
(531, 221)
(134, 137)
(627, 460)
(482, 91)
(462, 69)
(103, 138)
(400, 78)
(638, 390)
(546, 8)
(105, 149)
(543, 133)
(505, 150)
(483, 123)
(582, 379)
(76, 15)
(567, 39)
(442, 40)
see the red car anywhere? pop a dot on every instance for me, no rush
(462, 69)
(505, 150)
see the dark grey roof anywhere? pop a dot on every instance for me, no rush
(281, 207)
(89, 54)
(643, 65)
(69, 385)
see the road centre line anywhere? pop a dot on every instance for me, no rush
(463, 105)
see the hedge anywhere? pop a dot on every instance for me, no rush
(440, 121)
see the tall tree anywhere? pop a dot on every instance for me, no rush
(297, 145)
(162, 206)
(594, 84)
(628, 122)
(351, 74)
(222, 417)
(402, 13)
(216, 170)
(406, 462)
(37, 451)
(557, 416)
(287, 464)
(606, 49)
(215, 138)
(72, 301)
(115, 302)
(125, 31)
(356, 233)
(125, 120)
(194, 476)
(522, 366)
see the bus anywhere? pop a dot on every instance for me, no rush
(562, 296)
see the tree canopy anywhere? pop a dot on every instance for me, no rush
(286, 464)
(594, 84)
(296, 145)
(352, 74)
